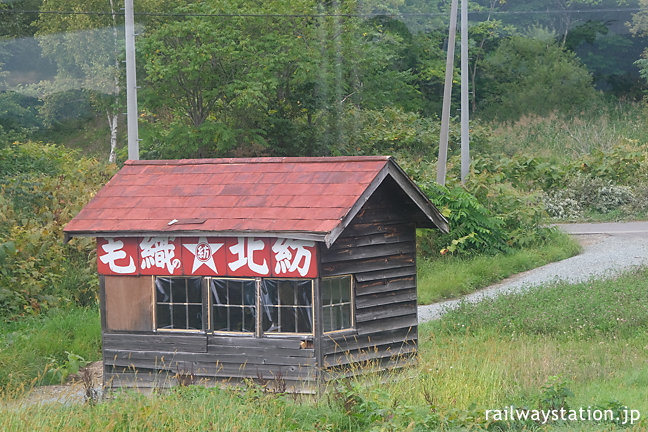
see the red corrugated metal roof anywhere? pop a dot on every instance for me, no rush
(269, 195)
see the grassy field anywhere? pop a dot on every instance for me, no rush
(451, 276)
(582, 345)
(29, 346)
(571, 137)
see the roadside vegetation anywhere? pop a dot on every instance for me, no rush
(558, 133)
(569, 346)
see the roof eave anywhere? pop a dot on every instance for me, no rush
(298, 235)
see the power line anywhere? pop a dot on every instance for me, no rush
(320, 15)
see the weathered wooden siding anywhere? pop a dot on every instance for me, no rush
(129, 302)
(163, 359)
(379, 249)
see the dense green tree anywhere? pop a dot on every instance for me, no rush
(639, 27)
(528, 76)
(262, 83)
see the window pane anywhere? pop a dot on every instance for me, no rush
(286, 292)
(304, 320)
(304, 293)
(194, 288)
(249, 319)
(287, 320)
(163, 289)
(171, 296)
(269, 292)
(179, 317)
(249, 292)
(219, 318)
(271, 319)
(287, 306)
(345, 289)
(218, 291)
(345, 312)
(327, 324)
(326, 291)
(228, 297)
(195, 317)
(178, 290)
(236, 319)
(163, 316)
(336, 304)
(235, 294)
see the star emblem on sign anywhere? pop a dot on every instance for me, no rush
(203, 252)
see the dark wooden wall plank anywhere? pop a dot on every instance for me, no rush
(379, 249)
(387, 274)
(384, 285)
(373, 251)
(380, 299)
(156, 342)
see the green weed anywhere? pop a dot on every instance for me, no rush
(31, 346)
(616, 307)
(452, 276)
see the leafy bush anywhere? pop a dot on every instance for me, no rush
(587, 192)
(387, 131)
(57, 373)
(44, 187)
(524, 76)
(473, 228)
(561, 205)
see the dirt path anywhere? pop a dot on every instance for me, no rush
(73, 391)
(608, 249)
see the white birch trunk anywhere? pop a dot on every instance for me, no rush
(112, 122)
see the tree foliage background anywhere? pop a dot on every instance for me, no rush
(306, 78)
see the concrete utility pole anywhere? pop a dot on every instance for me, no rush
(465, 110)
(447, 93)
(131, 82)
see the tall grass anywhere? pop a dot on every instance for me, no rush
(451, 276)
(597, 129)
(29, 345)
(485, 356)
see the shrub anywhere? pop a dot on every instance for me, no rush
(44, 187)
(587, 192)
(524, 75)
(561, 205)
(473, 228)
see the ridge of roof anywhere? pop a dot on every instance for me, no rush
(216, 161)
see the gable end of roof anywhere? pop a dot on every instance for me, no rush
(391, 169)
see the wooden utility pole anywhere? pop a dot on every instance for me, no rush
(447, 93)
(465, 130)
(131, 82)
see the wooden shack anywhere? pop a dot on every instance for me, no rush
(267, 268)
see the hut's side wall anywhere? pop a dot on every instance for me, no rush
(379, 249)
(140, 357)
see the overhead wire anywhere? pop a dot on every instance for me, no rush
(318, 15)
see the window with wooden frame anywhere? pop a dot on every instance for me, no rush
(178, 303)
(233, 305)
(286, 306)
(337, 303)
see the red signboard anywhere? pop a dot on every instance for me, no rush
(204, 256)
(160, 256)
(248, 256)
(293, 258)
(207, 256)
(117, 256)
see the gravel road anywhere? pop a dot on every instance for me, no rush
(608, 249)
